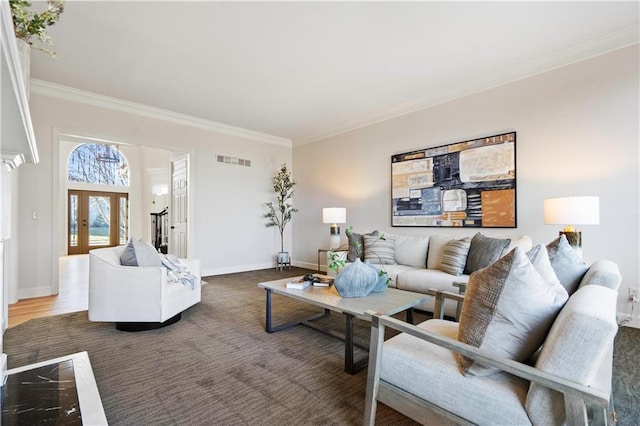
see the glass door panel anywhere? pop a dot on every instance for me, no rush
(73, 220)
(123, 220)
(99, 221)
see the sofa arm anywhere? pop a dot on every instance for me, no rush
(576, 396)
(115, 291)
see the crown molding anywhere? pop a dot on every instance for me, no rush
(67, 93)
(620, 39)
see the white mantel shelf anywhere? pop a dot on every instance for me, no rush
(16, 128)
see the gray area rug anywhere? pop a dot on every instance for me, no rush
(218, 365)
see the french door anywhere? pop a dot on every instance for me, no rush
(96, 219)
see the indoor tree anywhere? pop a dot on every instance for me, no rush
(279, 213)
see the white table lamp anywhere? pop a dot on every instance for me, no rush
(334, 216)
(571, 211)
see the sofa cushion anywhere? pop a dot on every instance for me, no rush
(421, 280)
(454, 256)
(356, 245)
(580, 339)
(430, 372)
(140, 253)
(380, 249)
(412, 251)
(484, 251)
(394, 271)
(568, 265)
(436, 245)
(508, 310)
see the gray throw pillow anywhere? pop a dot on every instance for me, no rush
(140, 253)
(128, 256)
(454, 256)
(356, 245)
(380, 249)
(567, 264)
(484, 251)
(507, 311)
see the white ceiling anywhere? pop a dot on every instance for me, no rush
(307, 70)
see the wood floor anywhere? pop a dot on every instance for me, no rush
(72, 297)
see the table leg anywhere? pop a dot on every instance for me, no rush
(351, 366)
(348, 344)
(410, 315)
(267, 320)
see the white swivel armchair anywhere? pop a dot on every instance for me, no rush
(136, 298)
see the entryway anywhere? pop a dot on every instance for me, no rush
(96, 219)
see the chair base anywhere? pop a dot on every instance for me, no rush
(143, 326)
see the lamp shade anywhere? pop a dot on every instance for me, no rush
(572, 211)
(334, 215)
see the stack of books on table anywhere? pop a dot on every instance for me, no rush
(298, 283)
(322, 281)
(307, 281)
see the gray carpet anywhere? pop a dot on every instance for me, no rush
(218, 365)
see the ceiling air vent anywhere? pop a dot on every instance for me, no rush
(233, 160)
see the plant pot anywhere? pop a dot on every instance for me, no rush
(283, 257)
(357, 280)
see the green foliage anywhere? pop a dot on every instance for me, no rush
(279, 213)
(337, 260)
(31, 26)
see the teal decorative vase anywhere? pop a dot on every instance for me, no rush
(357, 280)
(381, 283)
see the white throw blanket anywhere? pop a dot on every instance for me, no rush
(177, 272)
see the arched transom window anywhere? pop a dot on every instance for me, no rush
(98, 164)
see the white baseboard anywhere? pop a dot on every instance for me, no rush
(234, 269)
(29, 293)
(635, 320)
(306, 265)
(254, 267)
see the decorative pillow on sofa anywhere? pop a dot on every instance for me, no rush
(454, 256)
(380, 249)
(539, 258)
(140, 253)
(567, 264)
(356, 245)
(436, 245)
(508, 310)
(484, 251)
(412, 251)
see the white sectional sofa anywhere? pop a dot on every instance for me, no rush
(417, 262)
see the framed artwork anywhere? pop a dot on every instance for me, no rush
(470, 184)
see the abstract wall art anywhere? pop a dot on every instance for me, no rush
(470, 184)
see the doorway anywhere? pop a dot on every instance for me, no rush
(96, 219)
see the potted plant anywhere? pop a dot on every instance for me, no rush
(31, 26)
(279, 213)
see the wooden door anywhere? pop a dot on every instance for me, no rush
(96, 219)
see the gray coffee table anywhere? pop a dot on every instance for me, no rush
(390, 302)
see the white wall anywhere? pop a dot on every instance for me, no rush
(226, 200)
(577, 134)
